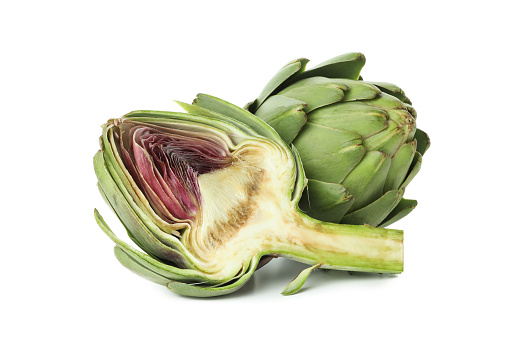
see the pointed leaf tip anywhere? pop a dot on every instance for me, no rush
(296, 284)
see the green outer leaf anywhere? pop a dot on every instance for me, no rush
(294, 67)
(339, 153)
(365, 182)
(393, 90)
(386, 101)
(423, 141)
(411, 110)
(354, 116)
(374, 213)
(388, 140)
(133, 266)
(285, 115)
(346, 66)
(203, 112)
(296, 284)
(300, 180)
(167, 271)
(359, 90)
(404, 207)
(227, 109)
(400, 165)
(316, 92)
(213, 291)
(136, 226)
(414, 169)
(330, 201)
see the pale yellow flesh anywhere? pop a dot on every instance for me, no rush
(246, 211)
(241, 207)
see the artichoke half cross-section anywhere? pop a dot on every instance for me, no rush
(209, 194)
(358, 140)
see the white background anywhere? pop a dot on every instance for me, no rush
(68, 66)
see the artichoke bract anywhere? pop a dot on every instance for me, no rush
(358, 140)
(210, 194)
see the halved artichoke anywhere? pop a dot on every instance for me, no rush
(207, 194)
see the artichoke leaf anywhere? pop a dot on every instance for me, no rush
(341, 151)
(366, 181)
(326, 201)
(414, 169)
(285, 115)
(227, 109)
(411, 110)
(386, 101)
(292, 68)
(296, 284)
(300, 180)
(193, 109)
(197, 290)
(389, 140)
(125, 182)
(404, 207)
(393, 90)
(145, 236)
(315, 92)
(354, 116)
(358, 90)
(197, 122)
(400, 166)
(423, 141)
(374, 213)
(345, 66)
(133, 266)
(168, 271)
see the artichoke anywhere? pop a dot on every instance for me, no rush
(210, 195)
(358, 140)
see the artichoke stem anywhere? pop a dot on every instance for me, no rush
(341, 247)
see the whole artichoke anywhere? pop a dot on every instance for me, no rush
(208, 194)
(358, 140)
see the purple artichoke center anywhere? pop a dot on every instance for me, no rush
(165, 164)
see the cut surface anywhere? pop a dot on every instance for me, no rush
(228, 229)
(232, 203)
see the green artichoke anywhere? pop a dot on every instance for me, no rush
(358, 140)
(210, 194)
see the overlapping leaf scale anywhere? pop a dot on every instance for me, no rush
(375, 212)
(393, 90)
(366, 181)
(340, 150)
(400, 166)
(286, 115)
(404, 207)
(354, 116)
(326, 201)
(124, 201)
(149, 267)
